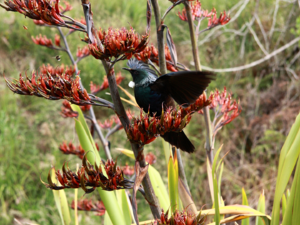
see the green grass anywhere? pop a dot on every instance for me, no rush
(31, 128)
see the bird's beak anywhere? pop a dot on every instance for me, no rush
(128, 69)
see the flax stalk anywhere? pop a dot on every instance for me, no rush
(209, 143)
(163, 70)
(209, 146)
(121, 113)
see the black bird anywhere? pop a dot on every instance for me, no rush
(152, 92)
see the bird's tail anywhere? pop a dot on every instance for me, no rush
(180, 140)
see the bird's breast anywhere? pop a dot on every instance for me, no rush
(149, 100)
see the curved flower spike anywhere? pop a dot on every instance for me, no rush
(45, 10)
(225, 109)
(52, 87)
(90, 177)
(119, 44)
(55, 84)
(145, 129)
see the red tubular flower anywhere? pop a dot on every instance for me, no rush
(57, 40)
(66, 110)
(150, 52)
(145, 129)
(91, 176)
(150, 158)
(88, 205)
(97, 88)
(83, 52)
(45, 10)
(52, 84)
(119, 44)
(67, 8)
(70, 149)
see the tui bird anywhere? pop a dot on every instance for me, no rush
(152, 92)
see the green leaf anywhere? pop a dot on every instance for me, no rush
(283, 203)
(173, 182)
(122, 200)
(215, 185)
(159, 188)
(245, 202)
(287, 161)
(61, 202)
(261, 207)
(107, 220)
(167, 149)
(81, 118)
(291, 216)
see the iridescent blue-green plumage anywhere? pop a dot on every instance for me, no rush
(153, 93)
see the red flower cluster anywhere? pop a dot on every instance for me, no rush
(107, 124)
(66, 110)
(88, 205)
(180, 218)
(213, 21)
(198, 13)
(85, 107)
(72, 149)
(150, 158)
(226, 110)
(45, 10)
(150, 52)
(97, 88)
(44, 41)
(52, 86)
(91, 176)
(119, 43)
(83, 52)
(128, 170)
(223, 104)
(144, 129)
(69, 71)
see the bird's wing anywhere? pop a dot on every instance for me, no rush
(184, 86)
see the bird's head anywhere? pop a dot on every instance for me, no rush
(140, 71)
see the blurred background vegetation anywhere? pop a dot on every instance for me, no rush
(31, 129)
